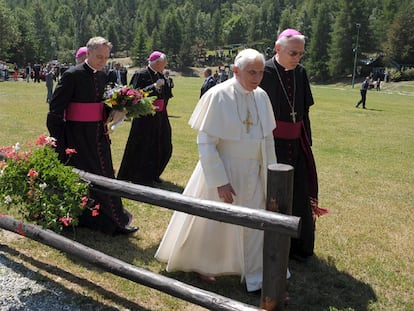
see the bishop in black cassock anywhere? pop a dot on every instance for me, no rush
(149, 148)
(77, 119)
(287, 85)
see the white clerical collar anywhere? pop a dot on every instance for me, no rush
(240, 87)
(152, 69)
(93, 69)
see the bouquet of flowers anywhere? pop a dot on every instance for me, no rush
(40, 187)
(134, 103)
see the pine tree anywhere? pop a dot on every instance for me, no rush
(317, 62)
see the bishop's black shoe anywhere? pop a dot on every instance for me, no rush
(126, 230)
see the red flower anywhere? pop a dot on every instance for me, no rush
(95, 210)
(70, 151)
(44, 140)
(33, 173)
(65, 220)
(41, 140)
(84, 201)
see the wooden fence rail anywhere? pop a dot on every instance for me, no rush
(278, 228)
(168, 285)
(234, 214)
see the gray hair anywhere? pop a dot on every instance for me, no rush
(94, 42)
(284, 40)
(247, 56)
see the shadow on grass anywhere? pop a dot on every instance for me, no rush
(166, 185)
(319, 285)
(64, 296)
(314, 286)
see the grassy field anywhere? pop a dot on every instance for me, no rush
(364, 247)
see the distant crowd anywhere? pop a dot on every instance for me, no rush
(37, 72)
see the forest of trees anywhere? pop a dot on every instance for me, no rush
(190, 30)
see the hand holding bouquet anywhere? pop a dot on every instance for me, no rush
(130, 102)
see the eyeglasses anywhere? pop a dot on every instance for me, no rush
(296, 53)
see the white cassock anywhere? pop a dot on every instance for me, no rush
(232, 152)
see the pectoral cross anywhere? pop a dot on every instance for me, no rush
(293, 115)
(248, 122)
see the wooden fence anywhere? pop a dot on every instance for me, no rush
(276, 222)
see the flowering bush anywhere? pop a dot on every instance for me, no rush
(44, 190)
(135, 102)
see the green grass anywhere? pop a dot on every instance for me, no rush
(364, 247)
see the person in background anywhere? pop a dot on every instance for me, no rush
(149, 146)
(77, 119)
(169, 85)
(235, 143)
(81, 55)
(49, 78)
(16, 72)
(287, 84)
(209, 81)
(36, 70)
(363, 90)
(116, 76)
(28, 72)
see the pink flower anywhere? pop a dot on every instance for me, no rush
(65, 220)
(84, 201)
(95, 210)
(41, 140)
(70, 151)
(131, 92)
(33, 173)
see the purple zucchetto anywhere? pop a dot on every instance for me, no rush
(154, 56)
(288, 33)
(81, 51)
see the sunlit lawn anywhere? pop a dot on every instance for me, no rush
(364, 247)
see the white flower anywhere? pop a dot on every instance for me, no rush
(16, 147)
(43, 185)
(7, 199)
(50, 139)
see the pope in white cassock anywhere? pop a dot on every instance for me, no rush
(235, 142)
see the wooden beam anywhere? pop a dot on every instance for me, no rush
(234, 214)
(115, 266)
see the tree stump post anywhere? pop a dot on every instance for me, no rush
(276, 246)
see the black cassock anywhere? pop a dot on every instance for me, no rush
(291, 151)
(149, 146)
(81, 84)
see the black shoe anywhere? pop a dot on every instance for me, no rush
(126, 230)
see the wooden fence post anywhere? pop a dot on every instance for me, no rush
(276, 246)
